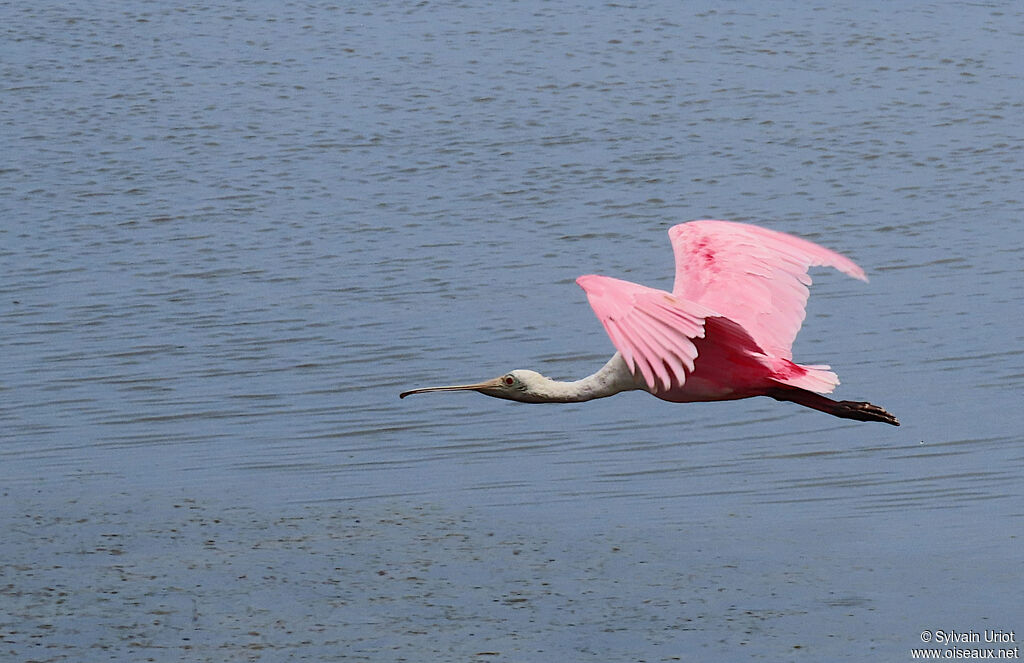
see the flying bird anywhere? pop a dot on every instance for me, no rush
(725, 331)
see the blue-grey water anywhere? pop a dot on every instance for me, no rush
(231, 234)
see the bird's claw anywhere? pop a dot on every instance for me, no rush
(868, 412)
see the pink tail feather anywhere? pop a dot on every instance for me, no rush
(816, 378)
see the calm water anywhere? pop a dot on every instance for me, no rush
(231, 235)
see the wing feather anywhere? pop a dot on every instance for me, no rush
(751, 275)
(652, 329)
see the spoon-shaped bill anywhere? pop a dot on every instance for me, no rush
(487, 384)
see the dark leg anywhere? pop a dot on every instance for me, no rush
(845, 409)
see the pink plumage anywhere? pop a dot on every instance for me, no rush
(727, 329)
(754, 276)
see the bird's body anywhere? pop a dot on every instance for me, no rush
(725, 331)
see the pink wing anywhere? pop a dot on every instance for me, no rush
(751, 275)
(653, 329)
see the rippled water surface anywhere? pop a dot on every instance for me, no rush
(230, 235)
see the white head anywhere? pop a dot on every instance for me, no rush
(519, 385)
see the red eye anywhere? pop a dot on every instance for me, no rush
(509, 380)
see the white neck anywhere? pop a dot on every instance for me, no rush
(611, 379)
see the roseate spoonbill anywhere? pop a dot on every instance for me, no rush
(724, 332)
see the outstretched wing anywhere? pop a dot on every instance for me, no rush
(751, 275)
(653, 329)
